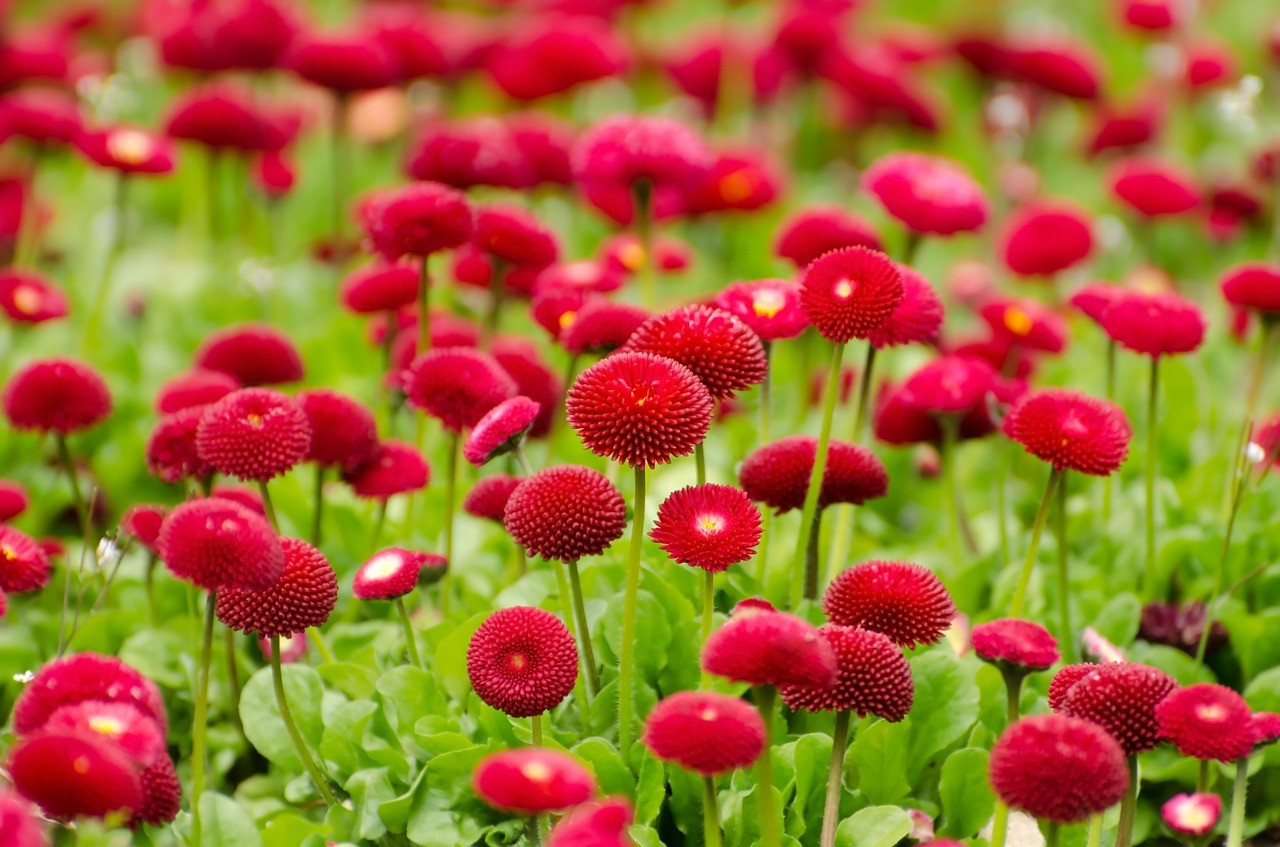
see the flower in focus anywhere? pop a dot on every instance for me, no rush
(721, 350)
(850, 293)
(522, 661)
(302, 597)
(777, 474)
(770, 648)
(1122, 698)
(905, 601)
(565, 513)
(771, 307)
(387, 574)
(708, 526)
(396, 468)
(1071, 431)
(1207, 721)
(253, 434)
(501, 430)
(1015, 646)
(872, 677)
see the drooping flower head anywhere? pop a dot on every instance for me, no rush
(771, 307)
(522, 661)
(70, 775)
(387, 574)
(850, 293)
(721, 350)
(417, 219)
(927, 194)
(1015, 646)
(770, 648)
(565, 513)
(904, 601)
(253, 434)
(302, 597)
(213, 543)
(917, 319)
(1042, 239)
(255, 354)
(1122, 698)
(343, 432)
(501, 430)
(457, 385)
(1154, 324)
(1207, 721)
(55, 395)
(1071, 431)
(396, 468)
(1192, 814)
(705, 732)
(23, 564)
(708, 526)
(873, 677)
(79, 678)
(532, 781)
(777, 474)
(487, 498)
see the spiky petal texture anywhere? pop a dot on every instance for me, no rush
(1071, 431)
(917, 319)
(873, 677)
(770, 648)
(708, 526)
(1207, 721)
(532, 781)
(343, 432)
(522, 661)
(1017, 645)
(396, 468)
(81, 677)
(850, 293)
(161, 794)
(24, 566)
(253, 434)
(172, 453)
(1058, 768)
(55, 395)
(487, 499)
(214, 543)
(71, 776)
(721, 350)
(565, 513)
(705, 732)
(1154, 324)
(1064, 679)
(255, 354)
(417, 219)
(777, 474)
(1122, 697)
(387, 574)
(639, 409)
(500, 430)
(457, 385)
(905, 601)
(771, 307)
(303, 596)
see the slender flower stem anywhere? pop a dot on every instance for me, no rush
(766, 420)
(388, 345)
(809, 591)
(1239, 793)
(114, 248)
(497, 294)
(1128, 806)
(200, 720)
(710, 813)
(1013, 697)
(535, 729)
(584, 628)
(570, 371)
(1108, 550)
(317, 511)
(1051, 833)
(450, 495)
(1064, 576)
(233, 676)
(1093, 837)
(77, 496)
(835, 778)
(808, 516)
(700, 463)
(410, 638)
(424, 306)
(1037, 529)
(770, 833)
(627, 651)
(642, 197)
(340, 164)
(708, 616)
(846, 514)
(522, 459)
(267, 505)
(864, 394)
(1000, 825)
(950, 439)
(566, 612)
(1153, 394)
(1202, 778)
(299, 744)
(1237, 494)
(322, 647)
(148, 581)
(379, 521)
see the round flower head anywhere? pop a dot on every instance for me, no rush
(23, 563)
(241, 495)
(28, 298)
(1154, 324)
(522, 661)
(19, 823)
(905, 601)
(82, 677)
(137, 735)
(639, 409)
(850, 293)
(1042, 239)
(770, 648)
(128, 150)
(253, 434)
(343, 62)
(771, 307)
(1014, 645)
(1071, 431)
(1025, 323)
(1207, 721)
(161, 794)
(255, 354)
(512, 235)
(13, 500)
(602, 823)
(457, 385)
(1253, 285)
(705, 732)
(388, 574)
(777, 474)
(521, 360)
(1153, 189)
(1058, 769)
(821, 229)
(434, 567)
(601, 326)
(926, 193)
(565, 513)
(196, 387)
(532, 781)
(917, 319)
(396, 468)
(708, 526)
(500, 430)
(488, 498)
(1063, 681)
(172, 453)
(214, 543)
(343, 432)
(1094, 299)
(873, 677)
(417, 219)
(75, 775)
(721, 350)
(142, 522)
(380, 288)
(1192, 814)
(56, 395)
(629, 149)
(1122, 697)
(303, 596)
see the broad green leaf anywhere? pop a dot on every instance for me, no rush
(653, 633)
(880, 753)
(874, 826)
(1118, 620)
(261, 717)
(945, 708)
(611, 772)
(290, 830)
(343, 733)
(810, 761)
(967, 800)
(651, 789)
(224, 824)
(450, 657)
(408, 693)
(368, 790)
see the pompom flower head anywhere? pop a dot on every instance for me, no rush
(850, 293)
(487, 499)
(457, 386)
(708, 526)
(81, 677)
(213, 543)
(522, 661)
(1042, 239)
(501, 430)
(253, 434)
(396, 468)
(56, 395)
(72, 775)
(904, 601)
(1122, 697)
(343, 432)
(1071, 431)
(927, 194)
(1207, 721)
(565, 513)
(777, 474)
(721, 350)
(417, 219)
(255, 354)
(705, 732)
(1154, 324)
(1255, 286)
(532, 781)
(917, 319)
(1015, 646)
(872, 677)
(388, 574)
(303, 596)
(24, 566)
(770, 648)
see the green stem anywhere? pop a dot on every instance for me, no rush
(1237, 494)
(450, 495)
(1128, 806)
(379, 521)
(845, 515)
(627, 650)
(148, 581)
(1000, 825)
(1108, 549)
(522, 459)
(1093, 837)
(410, 639)
(584, 628)
(497, 293)
(811, 564)
(535, 730)
(340, 165)
(1002, 512)
(566, 612)
(322, 647)
(233, 676)
(1150, 482)
(950, 439)
(1202, 778)
(1037, 529)
(864, 394)
(1051, 832)
(267, 506)
(77, 496)
(700, 463)
(835, 778)
(770, 832)
(1064, 577)
(299, 744)
(317, 512)
(200, 720)
(424, 306)
(808, 516)
(642, 197)
(708, 616)
(1239, 793)
(1013, 697)
(710, 813)
(388, 345)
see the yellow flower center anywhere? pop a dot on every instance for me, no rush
(632, 256)
(710, 524)
(536, 772)
(26, 299)
(844, 289)
(106, 725)
(1017, 321)
(767, 303)
(129, 146)
(736, 187)
(255, 421)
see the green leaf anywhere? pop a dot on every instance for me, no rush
(409, 693)
(880, 752)
(651, 789)
(874, 826)
(945, 708)
(261, 717)
(355, 681)
(611, 772)
(653, 633)
(369, 789)
(1118, 620)
(343, 732)
(811, 757)
(224, 824)
(290, 830)
(967, 801)
(451, 656)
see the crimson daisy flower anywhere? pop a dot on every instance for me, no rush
(253, 434)
(905, 601)
(565, 513)
(75, 775)
(28, 298)
(55, 395)
(721, 350)
(1154, 324)
(161, 794)
(777, 474)
(705, 732)
(395, 468)
(601, 326)
(1192, 814)
(771, 307)
(820, 229)
(1071, 431)
(255, 354)
(388, 574)
(770, 648)
(532, 781)
(457, 385)
(1122, 698)
(850, 293)
(343, 432)
(1153, 188)
(13, 500)
(601, 823)
(1253, 285)
(708, 526)
(872, 677)
(1094, 299)
(214, 543)
(303, 596)
(1015, 646)
(1064, 679)
(81, 677)
(380, 287)
(24, 566)
(917, 319)
(136, 734)
(487, 499)
(514, 236)
(196, 387)
(522, 661)
(501, 430)
(417, 219)
(172, 453)
(927, 194)
(1045, 238)
(1207, 721)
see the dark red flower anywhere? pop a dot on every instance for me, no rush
(917, 319)
(532, 780)
(172, 454)
(221, 117)
(1071, 431)
(417, 219)
(56, 395)
(1061, 67)
(380, 287)
(1154, 324)
(501, 430)
(553, 54)
(1151, 15)
(771, 307)
(705, 732)
(13, 500)
(255, 354)
(1064, 679)
(1121, 697)
(343, 432)
(127, 150)
(721, 350)
(1207, 721)
(1094, 299)
(522, 661)
(1152, 188)
(817, 230)
(1017, 645)
(28, 298)
(81, 677)
(274, 174)
(196, 387)
(343, 62)
(873, 677)
(1253, 285)
(519, 357)
(136, 734)
(43, 116)
(142, 522)
(926, 193)
(770, 648)
(777, 474)
(303, 596)
(742, 179)
(639, 409)
(388, 574)
(19, 822)
(457, 385)
(905, 601)
(1124, 127)
(1058, 768)
(601, 823)
(850, 293)
(23, 563)
(601, 326)
(707, 526)
(161, 794)
(1044, 238)
(512, 235)
(213, 543)
(565, 513)
(396, 468)
(70, 776)
(253, 434)
(1026, 323)
(487, 499)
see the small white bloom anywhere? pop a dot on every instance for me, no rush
(1254, 453)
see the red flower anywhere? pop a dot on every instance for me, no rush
(19, 823)
(601, 326)
(1063, 681)
(213, 543)
(1122, 698)
(303, 596)
(1152, 188)
(1153, 16)
(1253, 285)
(721, 350)
(532, 781)
(172, 455)
(417, 220)
(501, 430)
(926, 193)
(565, 513)
(625, 150)
(388, 574)
(1026, 323)
(705, 732)
(1018, 645)
(520, 359)
(342, 62)
(161, 794)
(639, 409)
(43, 116)
(29, 298)
(1071, 431)
(136, 734)
(273, 174)
(56, 395)
(457, 385)
(917, 319)
(1154, 324)
(602, 823)
(396, 468)
(343, 432)
(1060, 67)
(1058, 769)
(742, 179)
(23, 564)
(72, 776)
(707, 526)
(551, 55)
(81, 677)
(905, 601)
(850, 293)
(873, 677)
(142, 521)
(1192, 814)
(777, 474)
(771, 307)
(488, 498)
(770, 648)
(380, 287)
(13, 500)
(816, 230)
(241, 495)
(254, 354)
(512, 235)
(1042, 239)
(522, 661)
(221, 117)
(1207, 721)
(127, 150)
(1095, 298)
(253, 434)
(196, 387)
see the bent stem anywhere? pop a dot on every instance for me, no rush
(808, 516)
(1150, 481)
(835, 778)
(267, 505)
(566, 612)
(626, 671)
(1037, 529)
(450, 495)
(1128, 806)
(200, 720)
(299, 745)
(1064, 577)
(770, 833)
(584, 628)
(710, 813)
(410, 640)
(1239, 793)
